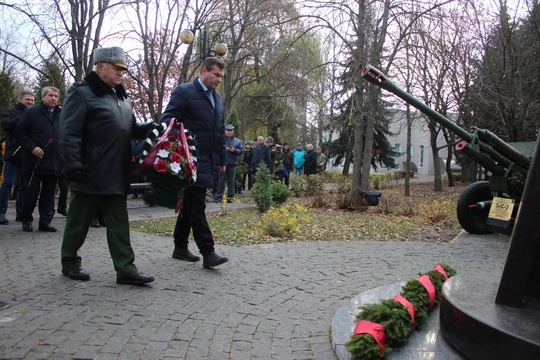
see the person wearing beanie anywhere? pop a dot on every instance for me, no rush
(299, 159)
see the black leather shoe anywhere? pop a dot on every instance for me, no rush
(76, 274)
(184, 254)
(27, 226)
(62, 212)
(213, 259)
(101, 221)
(135, 278)
(95, 223)
(46, 227)
(3, 220)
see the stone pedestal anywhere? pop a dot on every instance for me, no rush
(479, 328)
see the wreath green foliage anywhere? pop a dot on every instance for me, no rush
(163, 191)
(363, 346)
(394, 317)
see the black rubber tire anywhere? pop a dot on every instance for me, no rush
(473, 221)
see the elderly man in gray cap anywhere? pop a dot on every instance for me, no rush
(233, 149)
(95, 144)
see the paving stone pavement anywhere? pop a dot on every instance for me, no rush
(273, 301)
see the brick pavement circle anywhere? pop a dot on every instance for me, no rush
(272, 301)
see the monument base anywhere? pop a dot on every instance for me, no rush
(478, 328)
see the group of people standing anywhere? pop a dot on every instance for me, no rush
(242, 163)
(280, 160)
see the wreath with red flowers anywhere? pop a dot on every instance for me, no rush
(169, 163)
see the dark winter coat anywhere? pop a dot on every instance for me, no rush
(10, 119)
(39, 128)
(259, 154)
(288, 160)
(310, 167)
(190, 105)
(97, 128)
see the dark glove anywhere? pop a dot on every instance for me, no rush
(152, 126)
(75, 176)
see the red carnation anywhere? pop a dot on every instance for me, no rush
(166, 145)
(171, 138)
(179, 149)
(161, 167)
(175, 157)
(51, 140)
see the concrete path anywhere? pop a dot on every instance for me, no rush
(273, 301)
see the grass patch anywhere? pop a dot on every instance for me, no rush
(397, 218)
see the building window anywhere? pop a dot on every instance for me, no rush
(397, 148)
(421, 156)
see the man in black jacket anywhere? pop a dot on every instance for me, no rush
(37, 132)
(95, 143)
(13, 158)
(310, 167)
(200, 108)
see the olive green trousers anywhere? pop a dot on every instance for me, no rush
(82, 209)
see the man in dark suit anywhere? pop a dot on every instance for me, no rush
(37, 132)
(200, 108)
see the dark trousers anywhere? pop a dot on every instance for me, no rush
(12, 173)
(227, 175)
(82, 209)
(40, 187)
(192, 216)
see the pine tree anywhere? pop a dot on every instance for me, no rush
(232, 119)
(51, 74)
(7, 94)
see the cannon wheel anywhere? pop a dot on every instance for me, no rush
(473, 221)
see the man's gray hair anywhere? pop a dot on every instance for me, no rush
(46, 89)
(309, 146)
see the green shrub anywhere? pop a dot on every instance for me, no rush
(298, 184)
(314, 185)
(380, 181)
(280, 192)
(261, 190)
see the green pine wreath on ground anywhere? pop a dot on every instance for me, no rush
(396, 320)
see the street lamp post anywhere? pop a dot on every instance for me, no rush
(187, 37)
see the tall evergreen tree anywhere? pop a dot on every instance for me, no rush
(7, 94)
(232, 119)
(51, 74)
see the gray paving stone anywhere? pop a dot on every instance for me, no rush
(272, 301)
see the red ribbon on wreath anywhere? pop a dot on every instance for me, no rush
(440, 270)
(407, 305)
(428, 285)
(373, 329)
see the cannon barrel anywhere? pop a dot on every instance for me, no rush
(486, 148)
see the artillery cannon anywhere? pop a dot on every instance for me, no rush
(484, 206)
